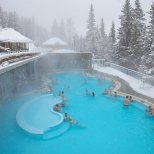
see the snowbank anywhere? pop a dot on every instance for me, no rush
(63, 51)
(135, 84)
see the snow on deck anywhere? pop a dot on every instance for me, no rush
(8, 63)
(134, 83)
(67, 51)
(63, 51)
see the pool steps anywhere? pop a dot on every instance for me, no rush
(56, 130)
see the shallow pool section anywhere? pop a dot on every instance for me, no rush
(105, 125)
(38, 117)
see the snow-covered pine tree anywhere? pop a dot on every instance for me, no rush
(103, 48)
(112, 42)
(97, 43)
(112, 34)
(147, 59)
(91, 33)
(3, 18)
(70, 32)
(102, 29)
(138, 31)
(124, 35)
(62, 31)
(76, 43)
(82, 44)
(55, 29)
(14, 21)
(151, 26)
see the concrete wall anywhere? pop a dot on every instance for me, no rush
(22, 77)
(66, 61)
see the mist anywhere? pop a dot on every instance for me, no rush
(45, 11)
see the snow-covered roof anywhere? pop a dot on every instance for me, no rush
(11, 35)
(55, 41)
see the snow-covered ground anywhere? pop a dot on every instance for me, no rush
(134, 83)
(63, 51)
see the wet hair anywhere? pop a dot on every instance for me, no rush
(93, 93)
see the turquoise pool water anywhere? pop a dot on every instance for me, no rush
(106, 125)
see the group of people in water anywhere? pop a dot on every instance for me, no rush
(67, 118)
(127, 100)
(89, 94)
(58, 107)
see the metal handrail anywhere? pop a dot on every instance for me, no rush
(103, 63)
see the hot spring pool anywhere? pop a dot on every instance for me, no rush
(106, 125)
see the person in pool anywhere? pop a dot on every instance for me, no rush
(93, 94)
(130, 98)
(66, 117)
(72, 121)
(126, 101)
(107, 91)
(57, 107)
(150, 110)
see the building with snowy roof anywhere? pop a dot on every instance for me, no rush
(12, 40)
(55, 43)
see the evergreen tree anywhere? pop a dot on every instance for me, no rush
(112, 42)
(76, 43)
(138, 29)
(102, 29)
(1, 16)
(147, 59)
(91, 33)
(104, 43)
(151, 26)
(137, 35)
(112, 34)
(70, 32)
(55, 29)
(62, 32)
(13, 21)
(82, 44)
(125, 34)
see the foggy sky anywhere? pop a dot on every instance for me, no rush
(45, 11)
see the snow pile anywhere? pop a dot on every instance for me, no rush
(134, 83)
(63, 51)
(54, 41)
(10, 35)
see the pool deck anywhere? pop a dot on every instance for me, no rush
(124, 89)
